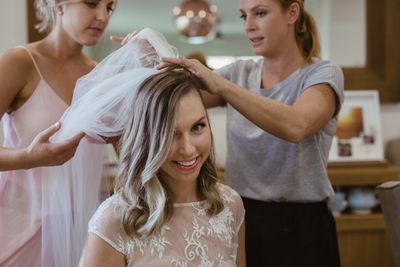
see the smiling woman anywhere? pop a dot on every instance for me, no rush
(166, 188)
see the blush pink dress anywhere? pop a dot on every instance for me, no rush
(20, 190)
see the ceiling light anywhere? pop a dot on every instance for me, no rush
(196, 20)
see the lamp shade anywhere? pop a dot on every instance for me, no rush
(196, 20)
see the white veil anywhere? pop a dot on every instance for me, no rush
(70, 193)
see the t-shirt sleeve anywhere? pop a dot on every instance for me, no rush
(105, 224)
(330, 74)
(226, 71)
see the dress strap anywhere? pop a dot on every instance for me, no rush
(33, 60)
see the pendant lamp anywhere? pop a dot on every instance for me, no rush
(196, 20)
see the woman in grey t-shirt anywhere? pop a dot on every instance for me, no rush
(282, 114)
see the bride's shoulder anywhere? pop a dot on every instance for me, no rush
(107, 213)
(228, 194)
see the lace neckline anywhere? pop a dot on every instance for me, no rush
(189, 204)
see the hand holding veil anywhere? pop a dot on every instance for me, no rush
(70, 193)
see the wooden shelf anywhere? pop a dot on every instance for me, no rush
(363, 239)
(362, 174)
(352, 222)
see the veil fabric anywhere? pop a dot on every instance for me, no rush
(70, 193)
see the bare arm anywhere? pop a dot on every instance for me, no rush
(241, 251)
(41, 152)
(293, 123)
(16, 73)
(212, 100)
(98, 253)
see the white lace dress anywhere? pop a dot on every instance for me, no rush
(190, 238)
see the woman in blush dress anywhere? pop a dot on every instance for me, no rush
(37, 83)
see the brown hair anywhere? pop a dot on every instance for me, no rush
(306, 31)
(144, 147)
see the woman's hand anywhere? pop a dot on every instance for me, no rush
(214, 83)
(146, 53)
(42, 152)
(123, 40)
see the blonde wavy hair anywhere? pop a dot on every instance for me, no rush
(46, 14)
(143, 149)
(306, 31)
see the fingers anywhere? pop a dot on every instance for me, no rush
(60, 158)
(70, 143)
(64, 151)
(191, 64)
(128, 37)
(175, 60)
(46, 134)
(170, 63)
(166, 66)
(123, 40)
(116, 39)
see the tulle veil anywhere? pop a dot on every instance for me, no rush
(70, 193)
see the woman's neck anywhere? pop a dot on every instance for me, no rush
(276, 69)
(184, 193)
(61, 47)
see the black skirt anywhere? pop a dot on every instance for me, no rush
(282, 234)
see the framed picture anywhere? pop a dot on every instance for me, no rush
(358, 134)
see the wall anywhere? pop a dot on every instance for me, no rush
(13, 24)
(13, 27)
(390, 116)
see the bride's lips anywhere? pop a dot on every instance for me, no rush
(187, 165)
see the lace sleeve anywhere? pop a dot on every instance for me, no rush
(235, 203)
(105, 224)
(238, 210)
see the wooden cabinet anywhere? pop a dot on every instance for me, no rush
(363, 240)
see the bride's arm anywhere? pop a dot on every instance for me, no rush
(241, 251)
(98, 253)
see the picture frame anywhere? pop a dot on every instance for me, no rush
(358, 136)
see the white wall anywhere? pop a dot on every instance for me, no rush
(13, 27)
(13, 24)
(390, 116)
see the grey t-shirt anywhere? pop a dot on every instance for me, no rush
(264, 167)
